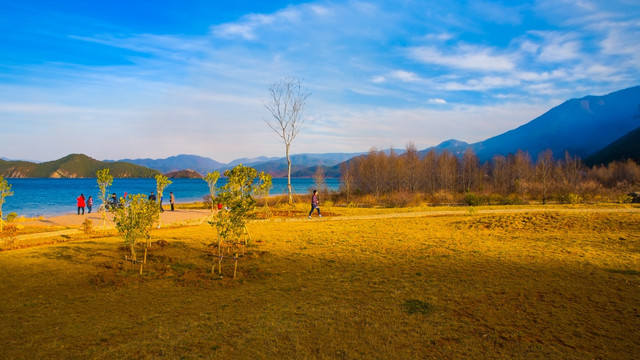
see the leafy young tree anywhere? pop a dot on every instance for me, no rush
(161, 183)
(265, 182)
(134, 220)
(211, 179)
(287, 102)
(5, 190)
(237, 198)
(104, 181)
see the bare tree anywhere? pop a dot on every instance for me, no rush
(287, 100)
(544, 171)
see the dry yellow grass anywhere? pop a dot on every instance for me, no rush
(561, 283)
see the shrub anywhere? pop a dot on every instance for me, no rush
(87, 227)
(12, 216)
(570, 198)
(472, 199)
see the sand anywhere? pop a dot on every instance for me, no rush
(179, 216)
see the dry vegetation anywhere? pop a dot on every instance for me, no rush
(560, 282)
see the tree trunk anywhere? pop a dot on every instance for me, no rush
(289, 188)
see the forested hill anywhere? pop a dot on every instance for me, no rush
(72, 166)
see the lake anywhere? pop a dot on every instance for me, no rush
(48, 197)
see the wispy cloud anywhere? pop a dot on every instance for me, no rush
(466, 57)
(381, 73)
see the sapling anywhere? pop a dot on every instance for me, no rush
(104, 181)
(211, 179)
(161, 183)
(5, 190)
(237, 198)
(134, 220)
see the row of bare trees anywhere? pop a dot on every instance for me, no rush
(381, 173)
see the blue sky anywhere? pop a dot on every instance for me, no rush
(137, 79)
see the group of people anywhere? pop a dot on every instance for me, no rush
(172, 200)
(82, 202)
(113, 203)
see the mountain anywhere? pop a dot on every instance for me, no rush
(72, 166)
(250, 161)
(184, 174)
(200, 164)
(627, 147)
(455, 147)
(580, 126)
(304, 165)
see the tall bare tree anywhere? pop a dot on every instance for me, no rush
(287, 101)
(544, 171)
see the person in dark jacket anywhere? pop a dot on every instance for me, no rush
(314, 204)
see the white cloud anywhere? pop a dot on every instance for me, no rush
(248, 26)
(405, 76)
(466, 57)
(437, 101)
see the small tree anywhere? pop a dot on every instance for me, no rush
(211, 179)
(286, 104)
(161, 183)
(265, 182)
(237, 198)
(134, 220)
(5, 190)
(104, 181)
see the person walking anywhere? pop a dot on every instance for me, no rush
(314, 204)
(172, 200)
(89, 204)
(81, 203)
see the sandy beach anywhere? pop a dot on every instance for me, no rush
(179, 216)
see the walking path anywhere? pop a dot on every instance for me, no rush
(199, 216)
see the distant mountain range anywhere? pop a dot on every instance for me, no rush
(304, 165)
(596, 128)
(580, 126)
(627, 147)
(72, 166)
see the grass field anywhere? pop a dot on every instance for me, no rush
(551, 283)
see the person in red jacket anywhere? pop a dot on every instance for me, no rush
(81, 203)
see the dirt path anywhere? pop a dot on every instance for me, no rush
(199, 216)
(460, 212)
(170, 218)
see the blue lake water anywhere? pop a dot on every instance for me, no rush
(47, 197)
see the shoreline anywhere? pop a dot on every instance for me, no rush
(73, 219)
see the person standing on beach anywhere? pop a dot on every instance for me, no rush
(89, 204)
(81, 204)
(172, 200)
(314, 204)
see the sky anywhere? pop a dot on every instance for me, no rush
(152, 79)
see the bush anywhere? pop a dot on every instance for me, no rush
(471, 199)
(11, 217)
(570, 198)
(87, 226)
